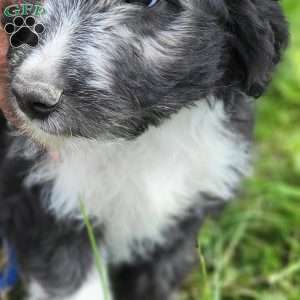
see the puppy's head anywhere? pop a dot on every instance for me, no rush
(111, 68)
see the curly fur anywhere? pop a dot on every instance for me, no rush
(153, 132)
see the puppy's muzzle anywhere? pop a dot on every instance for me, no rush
(36, 99)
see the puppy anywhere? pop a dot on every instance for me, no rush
(141, 111)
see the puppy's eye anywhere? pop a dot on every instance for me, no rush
(148, 3)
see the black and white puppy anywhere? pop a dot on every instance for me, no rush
(143, 110)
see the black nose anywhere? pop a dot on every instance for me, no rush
(36, 99)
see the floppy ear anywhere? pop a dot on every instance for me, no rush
(257, 33)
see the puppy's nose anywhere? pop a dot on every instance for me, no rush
(36, 99)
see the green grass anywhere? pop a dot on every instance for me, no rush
(100, 266)
(253, 251)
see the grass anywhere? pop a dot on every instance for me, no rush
(253, 251)
(100, 266)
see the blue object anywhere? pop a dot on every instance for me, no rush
(9, 277)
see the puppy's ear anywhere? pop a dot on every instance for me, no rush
(257, 33)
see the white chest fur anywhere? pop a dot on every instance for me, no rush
(135, 187)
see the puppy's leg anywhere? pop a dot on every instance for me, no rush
(91, 289)
(160, 275)
(158, 278)
(155, 280)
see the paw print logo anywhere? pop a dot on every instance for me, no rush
(24, 31)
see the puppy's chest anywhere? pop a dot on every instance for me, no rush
(136, 190)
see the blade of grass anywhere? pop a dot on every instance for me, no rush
(289, 271)
(203, 269)
(96, 251)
